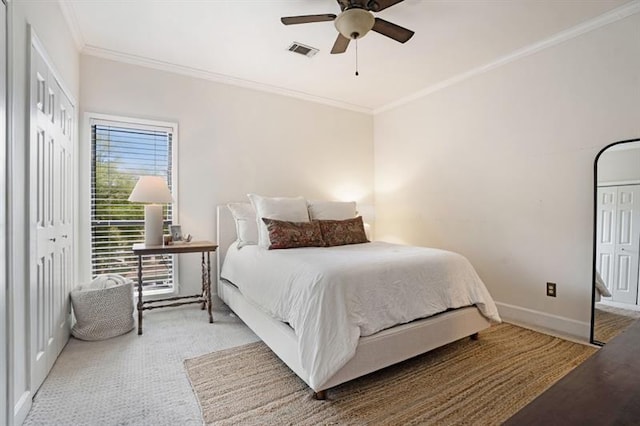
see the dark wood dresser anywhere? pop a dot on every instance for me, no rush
(603, 390)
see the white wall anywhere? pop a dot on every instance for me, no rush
(50, 26)
(499, 168)
(232, 141)
(618, 165)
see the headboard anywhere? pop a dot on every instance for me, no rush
(226, 231)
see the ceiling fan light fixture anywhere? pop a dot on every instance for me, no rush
(354, 23)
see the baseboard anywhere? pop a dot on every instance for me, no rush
(619, 305)
(22, 408)
(554, 324)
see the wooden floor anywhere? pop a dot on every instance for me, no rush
(604, 390)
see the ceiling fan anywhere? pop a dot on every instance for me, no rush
(355, 21)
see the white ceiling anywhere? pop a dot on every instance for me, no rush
(243, 41)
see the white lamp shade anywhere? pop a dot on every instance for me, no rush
(151, 189)
(354, 23)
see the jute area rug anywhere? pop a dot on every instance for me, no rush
(610, 321)
(466, 382)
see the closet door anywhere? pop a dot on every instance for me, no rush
(51, 192)
(64, 224)
(606, 230)
(627, 244)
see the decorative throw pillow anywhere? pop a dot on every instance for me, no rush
(283, 234)
(342, 232)
(279, 208)
(332, 210)
(244, 216)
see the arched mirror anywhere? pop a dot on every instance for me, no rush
(616, 250)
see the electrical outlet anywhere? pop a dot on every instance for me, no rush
(551, 289)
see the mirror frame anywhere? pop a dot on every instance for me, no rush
(595, 238)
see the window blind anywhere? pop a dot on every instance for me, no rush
(120, 155)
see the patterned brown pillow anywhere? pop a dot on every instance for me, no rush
(342, 232)
(283, 234)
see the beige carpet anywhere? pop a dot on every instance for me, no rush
(466, 382)
(135, 380)
(610, 321)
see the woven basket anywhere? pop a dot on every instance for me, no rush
(102, 313)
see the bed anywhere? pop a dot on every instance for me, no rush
(378, 349)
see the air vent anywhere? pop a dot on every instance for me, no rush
(302, 49)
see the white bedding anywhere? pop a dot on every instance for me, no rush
(332, 296)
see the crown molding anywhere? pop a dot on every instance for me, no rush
(72, 22)
(607, 18)
(218, 78)
(71, 18)
(626, 146)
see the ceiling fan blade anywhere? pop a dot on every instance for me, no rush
(393, 31)
(378, 5)
(341, 44)
(306, 19)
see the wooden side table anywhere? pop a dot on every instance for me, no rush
(203, 247)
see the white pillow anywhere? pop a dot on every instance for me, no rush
(279, 208)
(332, 210)
(244, 216)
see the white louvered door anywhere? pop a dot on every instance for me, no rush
(51, 192)
(618, 248)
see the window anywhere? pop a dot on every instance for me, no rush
(121, 152)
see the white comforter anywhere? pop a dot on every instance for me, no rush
(332, 296)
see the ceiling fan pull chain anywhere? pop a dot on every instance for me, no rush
(357, 74)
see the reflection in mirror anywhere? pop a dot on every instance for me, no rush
(617, 240)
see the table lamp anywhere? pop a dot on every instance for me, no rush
(154, 191)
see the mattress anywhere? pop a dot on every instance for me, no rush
(332, 296)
